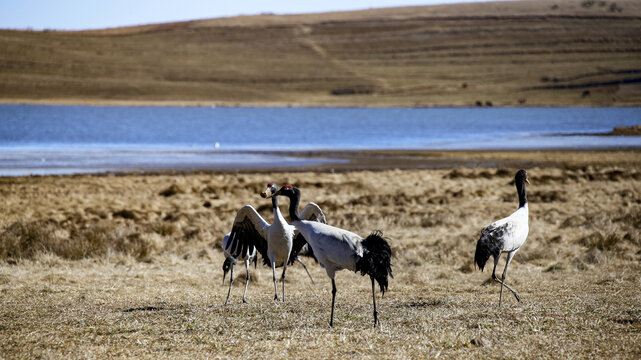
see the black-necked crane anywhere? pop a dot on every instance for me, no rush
(337, 249)
(505, 235)
(246, 254)
(278, 243)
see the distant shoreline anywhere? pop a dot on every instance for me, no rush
(361, 160)
(634, 130)
(379, 160)
(623, 131)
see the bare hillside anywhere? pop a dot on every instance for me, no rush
(528, 53)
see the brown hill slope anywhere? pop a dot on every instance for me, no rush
(577, 52)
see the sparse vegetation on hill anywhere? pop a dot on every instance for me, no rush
(526, 53)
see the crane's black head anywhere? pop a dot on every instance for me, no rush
(294, 197)
(519, 180)
(289, 191)
(521, 177)
(269, 191)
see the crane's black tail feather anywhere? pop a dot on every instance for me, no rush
(486, 246)
(376, 260)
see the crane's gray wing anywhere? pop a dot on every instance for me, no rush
(248, 232)
(311, 212)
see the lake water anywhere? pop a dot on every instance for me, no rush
(74, 139)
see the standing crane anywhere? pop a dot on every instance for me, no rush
(505, 235)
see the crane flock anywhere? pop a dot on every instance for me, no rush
(335, 249)
(338, 249)
(278, 243)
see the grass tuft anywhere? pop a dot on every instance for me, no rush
(556, 267)
(28, 240)
(25, 240)
(171, 191)
(600, 241)
(125, 214)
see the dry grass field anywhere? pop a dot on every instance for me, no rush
(130, 265)
(525, 53)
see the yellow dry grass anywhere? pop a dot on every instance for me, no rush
(578, 273)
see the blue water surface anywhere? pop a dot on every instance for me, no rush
(68, 139)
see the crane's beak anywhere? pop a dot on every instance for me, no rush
(268, 193)
(527, 181)
(224, 276)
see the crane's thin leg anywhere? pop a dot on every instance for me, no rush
(496, 262)
(331, 319)
(274, 278)
(307, 271)
(231, 280)
(516, 294)
(501, 293)
(509, 260)
(510, 255)
(374, 301)
(247, 281)
(282, 279)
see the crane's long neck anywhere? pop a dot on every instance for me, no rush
(278, 217)
(520, 189)
(293, 206)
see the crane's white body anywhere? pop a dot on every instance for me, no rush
(280, 239)
(279, 234)
(335, 248)
(516, 229)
